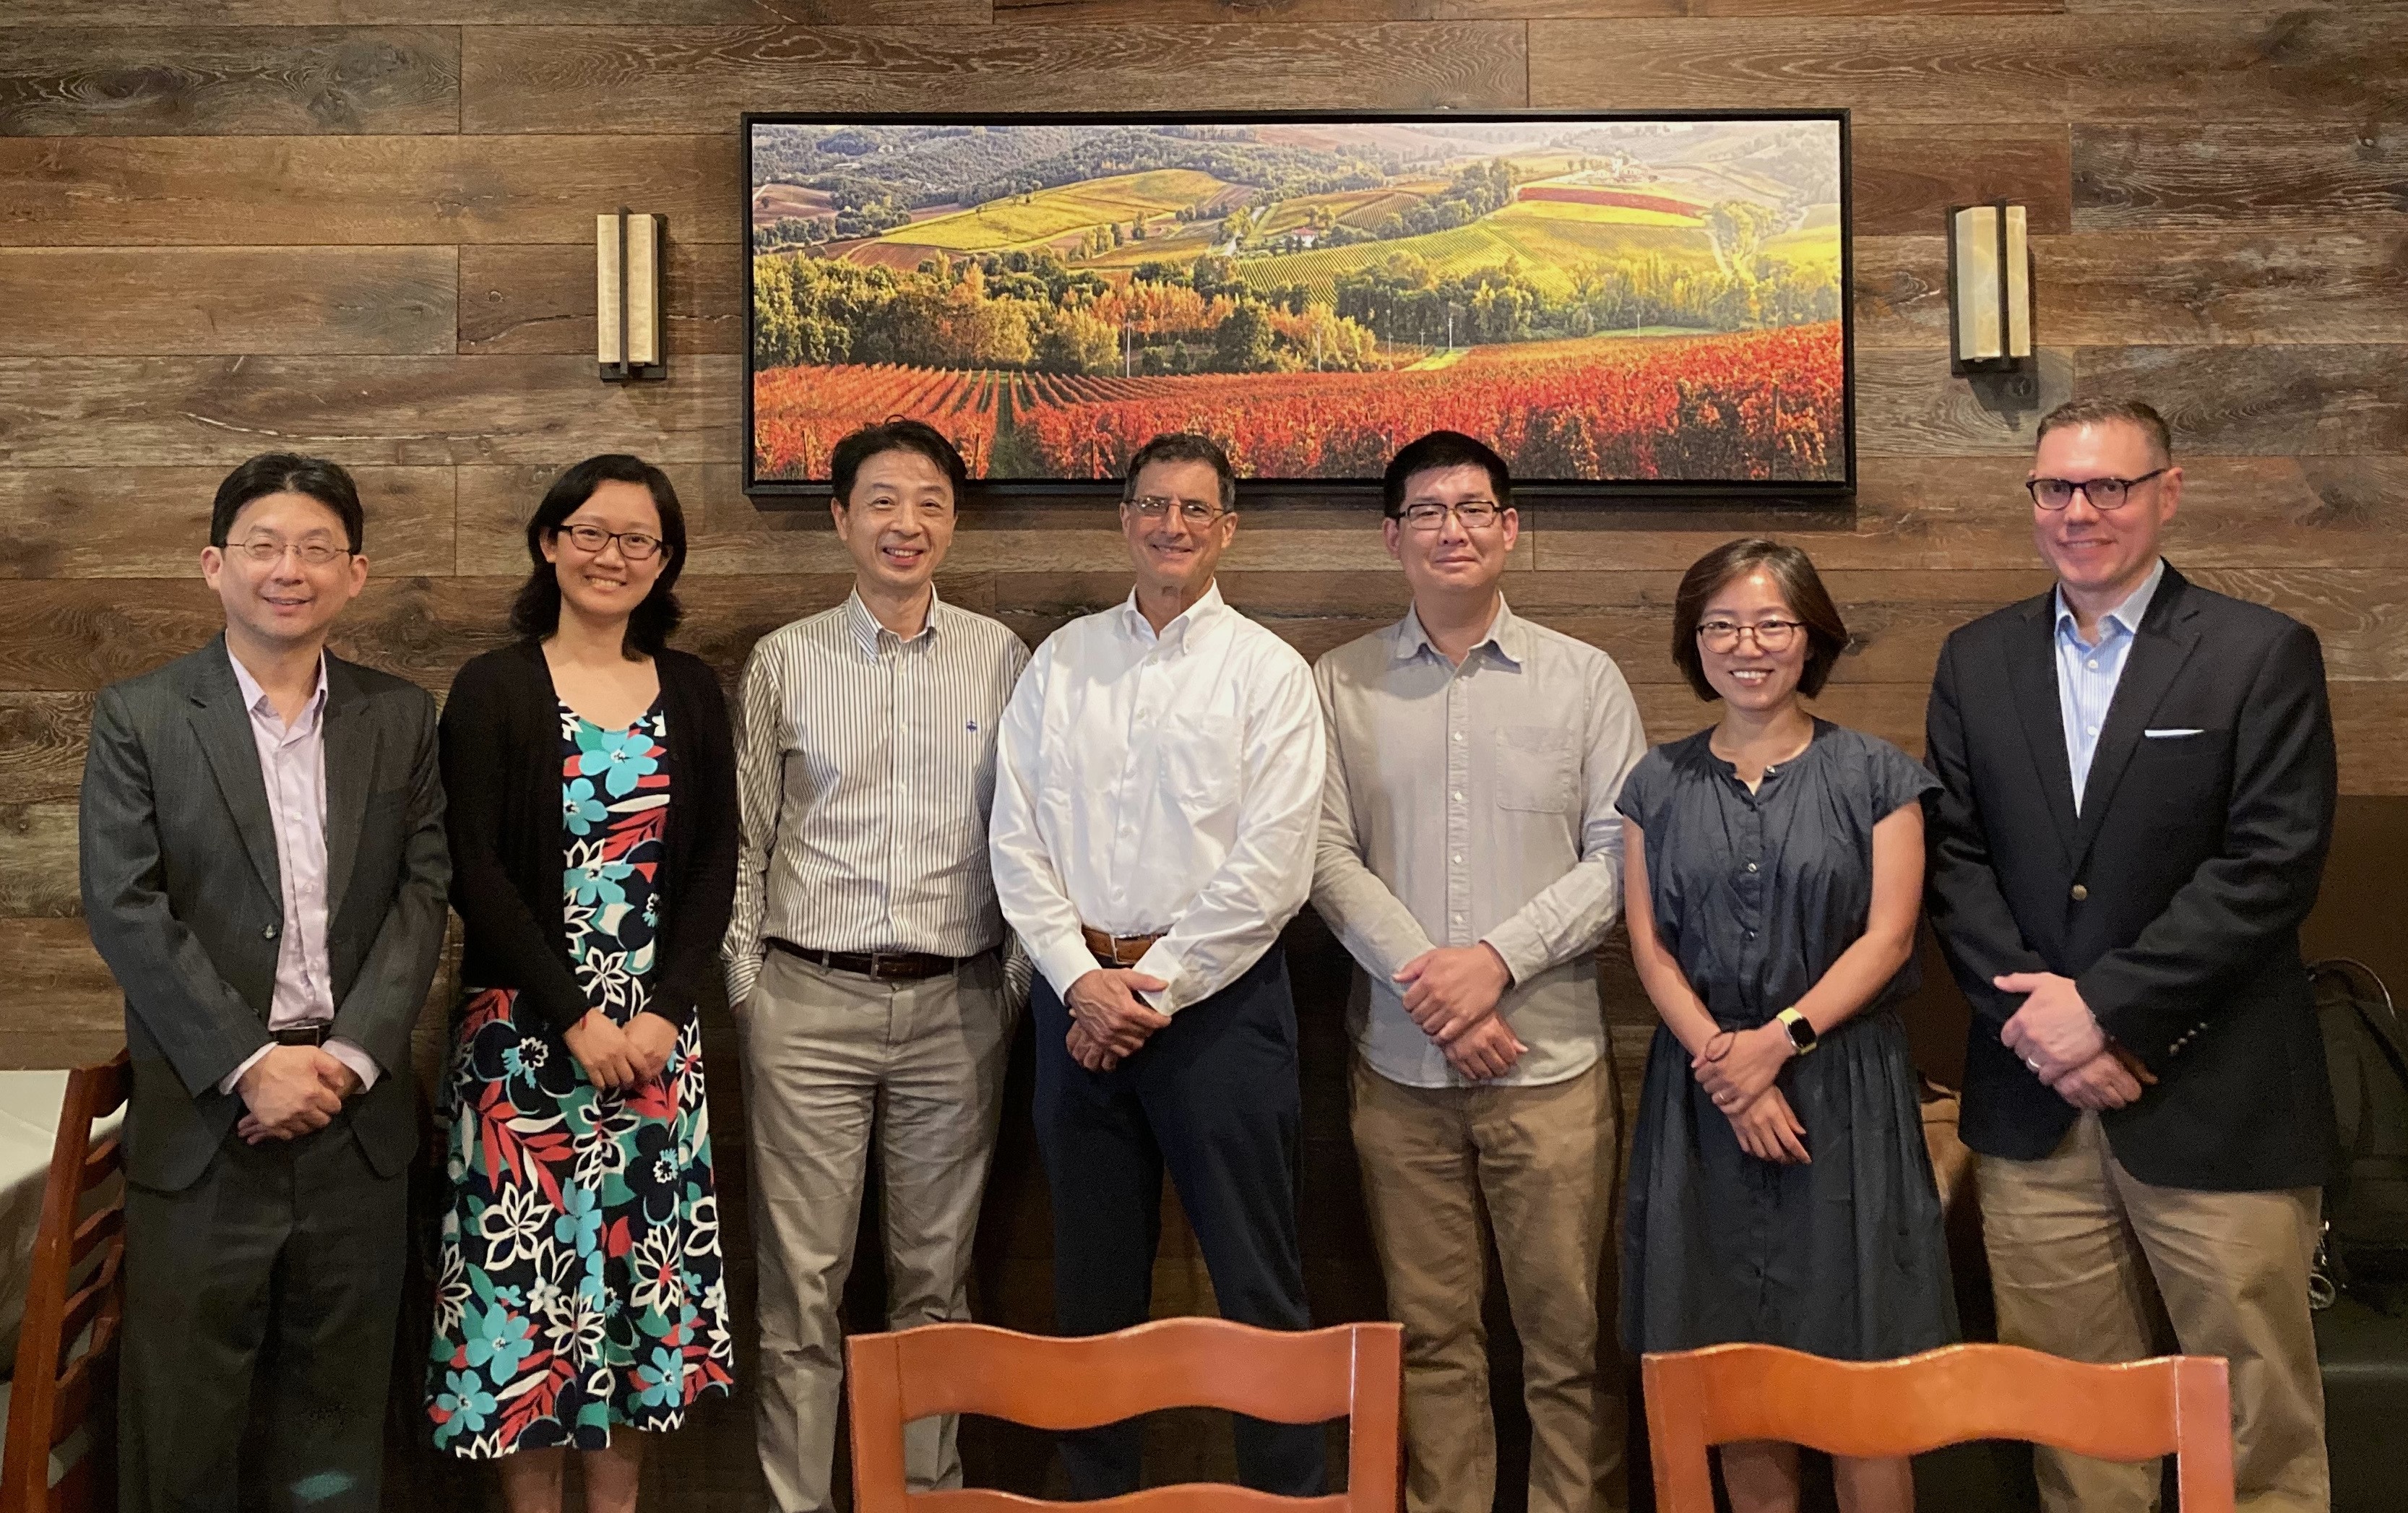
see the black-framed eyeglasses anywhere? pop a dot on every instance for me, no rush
(1194, 512)
(1476, 514)
(2102, 493)
(1772, 634)
(635, 545)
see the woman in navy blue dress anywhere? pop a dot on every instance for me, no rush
(1780, 1191)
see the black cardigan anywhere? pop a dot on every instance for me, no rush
(501, 781)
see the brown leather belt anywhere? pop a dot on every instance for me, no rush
(307, 1033)
(882, 966)
(1117, 950)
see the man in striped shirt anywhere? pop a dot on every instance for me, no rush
(867, 959)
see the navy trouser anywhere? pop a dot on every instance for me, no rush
(1213, 1097)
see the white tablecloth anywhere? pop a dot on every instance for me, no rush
(29, 1123)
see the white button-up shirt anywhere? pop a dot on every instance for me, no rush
(2087, 675)
(1162, 783)
(1475, 803)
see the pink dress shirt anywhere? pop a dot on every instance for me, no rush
(292, 766)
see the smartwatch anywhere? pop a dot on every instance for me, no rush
(1802, 1030)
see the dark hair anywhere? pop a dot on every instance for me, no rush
(1826, 634)
(537, 611)
(892, 434)
(289, 472)
(1441, 450)
(1183, 446)
(2103, 412)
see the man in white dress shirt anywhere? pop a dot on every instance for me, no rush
(1154, 811)
(865, 953)
(1471, 860)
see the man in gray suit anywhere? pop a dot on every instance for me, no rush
(263, 871)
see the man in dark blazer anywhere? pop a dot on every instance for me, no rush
(2139, 790)
(263, 871)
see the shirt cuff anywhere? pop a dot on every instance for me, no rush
(1160, 963)
(743, 975)
(358, 1059)
(1064, 962)
(1519, 947)
(228, 1082)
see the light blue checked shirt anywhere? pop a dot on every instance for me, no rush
(2087, 675)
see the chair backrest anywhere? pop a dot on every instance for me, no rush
(52, 1395)
(1353, 1371)
(2177, 1405)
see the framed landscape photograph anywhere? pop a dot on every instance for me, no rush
(1619, 304)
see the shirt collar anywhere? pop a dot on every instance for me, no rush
(255, 700)
(1506, 633)
(866, 629)
(2126, 615)
(1185, 624)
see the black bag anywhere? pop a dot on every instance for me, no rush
(2366, 1204)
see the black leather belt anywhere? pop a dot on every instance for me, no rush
(882, 966)
(309, 1032)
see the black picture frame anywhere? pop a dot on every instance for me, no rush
(1788, 493)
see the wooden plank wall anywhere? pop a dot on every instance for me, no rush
(361, 228)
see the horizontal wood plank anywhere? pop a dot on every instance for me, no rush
(2225, 65)
(2106, 288)
(542, 299)
(42, 738)
(317, 190)
(38, 875)
(1249, 12)
(85, 412)
(221, 299)
(1903, 180)
(152, 522)
(219, 81)
(2351, 176)
(607, 79)
(1907, 404)
(66, 1010)
(181, 13)
(2272, 400)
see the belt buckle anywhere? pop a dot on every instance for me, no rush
(888, 966)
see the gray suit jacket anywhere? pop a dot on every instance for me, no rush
(181, 893)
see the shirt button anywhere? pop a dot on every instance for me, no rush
(1458, 796)
(2093, 729)
(268, 933)
(2092, 666)
(1458, 735)
(1458, 858)
(2080, 892)
(1751, 866)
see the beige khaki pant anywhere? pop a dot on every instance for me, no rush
(1537, 1163)
(834, 1061)
(2081, 1253)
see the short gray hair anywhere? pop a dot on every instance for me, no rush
(1183, 446)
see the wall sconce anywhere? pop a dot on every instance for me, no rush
(627, 296)
(1989, 289)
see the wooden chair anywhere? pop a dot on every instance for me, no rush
(2177, 1405)
(52, 1396)
(1353, 1371)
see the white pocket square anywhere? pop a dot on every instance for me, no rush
(2170, 732)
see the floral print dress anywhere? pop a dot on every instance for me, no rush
(580, 1284)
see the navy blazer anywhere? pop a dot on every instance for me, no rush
(2173, 899)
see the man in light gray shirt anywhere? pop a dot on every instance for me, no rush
(1471, 860)
(866, 956)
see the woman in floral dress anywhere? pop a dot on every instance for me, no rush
(591, 784)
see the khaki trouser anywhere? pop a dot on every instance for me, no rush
(831, 1060)
(1538, 1164)
(2078, 1245)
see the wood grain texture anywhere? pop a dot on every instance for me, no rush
(540, 299)
(1908, 406)
(604, 79)
(65, 1009)
(319, 191)
(230, 299)
(42, 739)
(1903, 180)
(283, 80)
(2217, 176)
(152, 522)
(2107, 288)
(2267, 64)
(1253, 13)
(180, 13)
(79, 411)
(2268, 399)
(37, 862)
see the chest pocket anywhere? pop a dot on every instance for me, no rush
(1199, 754)
(1535, 769)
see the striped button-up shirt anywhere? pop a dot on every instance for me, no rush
(2087, 675)
(865, 768)
(1469, 804)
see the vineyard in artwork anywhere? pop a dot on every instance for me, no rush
(1606, 300)
(1757, 406)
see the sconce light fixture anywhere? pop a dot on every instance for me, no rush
(1989, 289)
(627, 302)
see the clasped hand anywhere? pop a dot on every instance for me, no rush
(616, 1057)
(1108, 1021)
(2059, 1040)
(292, 1090)
(1738, 1075)
(1451, 992)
